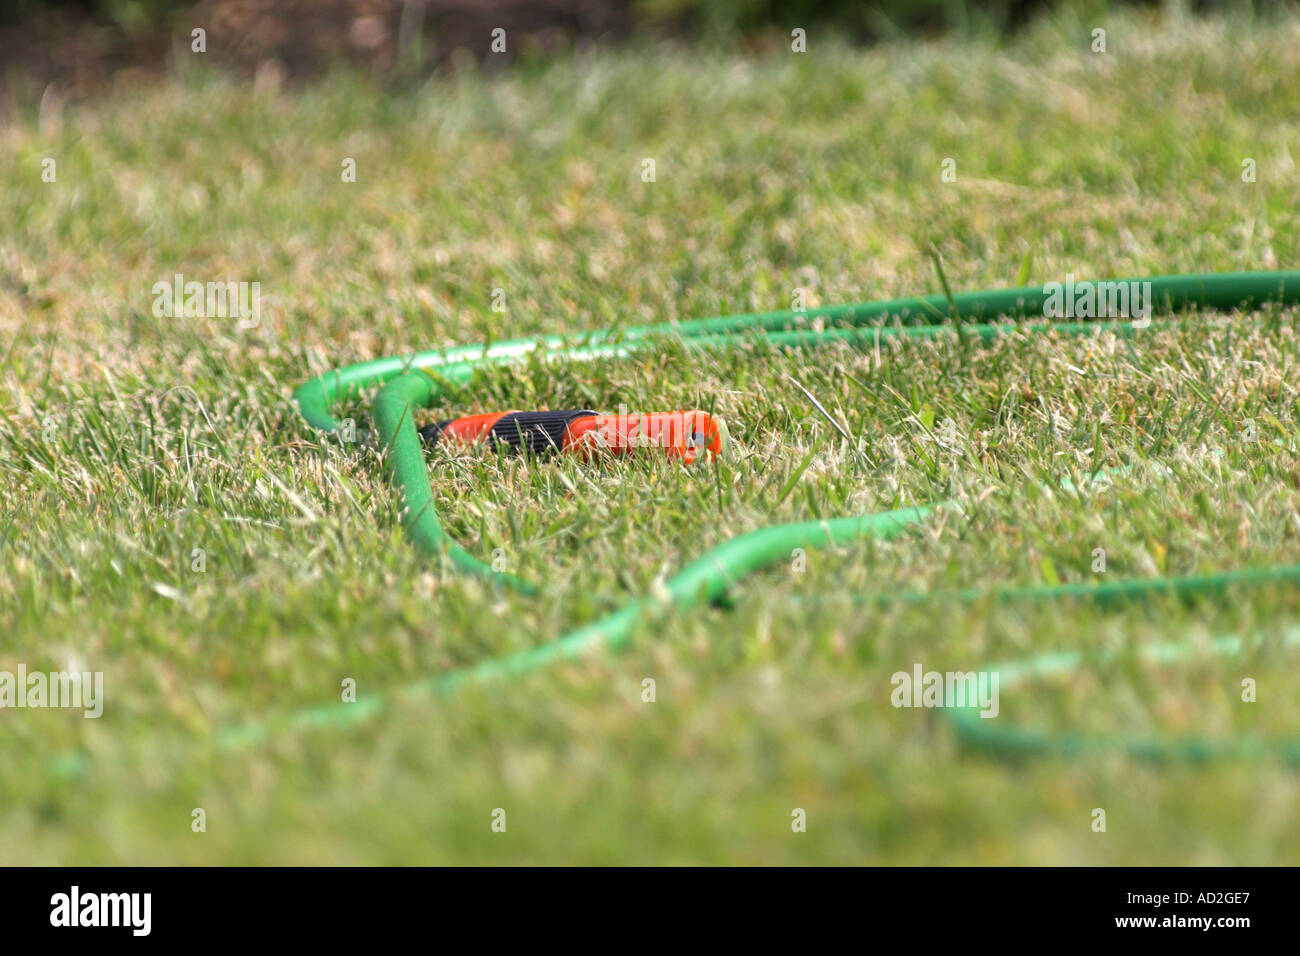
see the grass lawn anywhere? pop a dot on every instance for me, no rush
(169, 520)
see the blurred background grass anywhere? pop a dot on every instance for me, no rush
(82, 44)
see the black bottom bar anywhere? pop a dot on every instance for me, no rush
(331, 907)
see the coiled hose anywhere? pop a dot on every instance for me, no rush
(412, 382)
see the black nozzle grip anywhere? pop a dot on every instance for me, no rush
(533, 432)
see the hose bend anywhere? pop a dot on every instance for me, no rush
(406, 384)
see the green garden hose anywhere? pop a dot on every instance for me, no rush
(423, 379)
